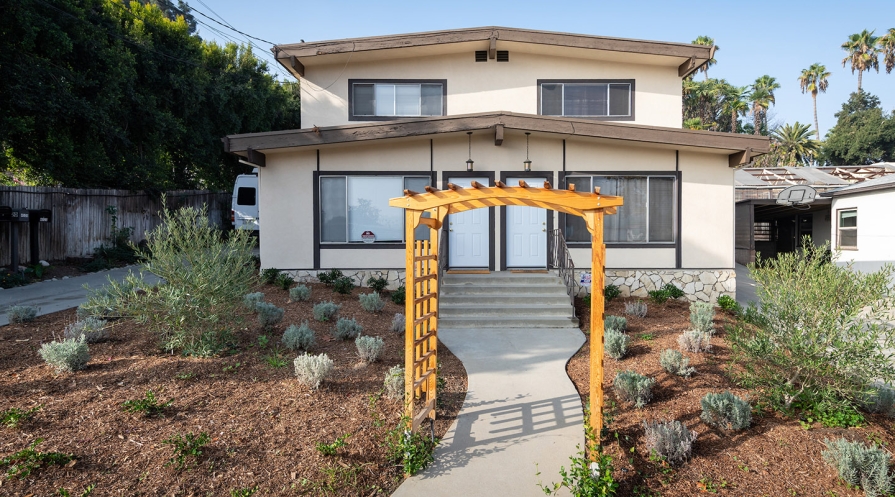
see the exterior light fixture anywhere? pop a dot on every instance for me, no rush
(469, 161)
(526, 164)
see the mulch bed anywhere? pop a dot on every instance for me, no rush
(264, 425)
(776, 456)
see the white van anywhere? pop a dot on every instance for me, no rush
(244, 209)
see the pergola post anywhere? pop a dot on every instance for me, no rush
(598, 260)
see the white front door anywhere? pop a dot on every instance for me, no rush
(526, 232)
(469, 233)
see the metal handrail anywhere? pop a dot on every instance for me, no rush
(561, 260)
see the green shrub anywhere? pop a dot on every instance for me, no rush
(834, 414)
(250, 300)
(311, 370)
(616, 343)
(670, 440)
(702, 315)
(377, 284)
(68, 355)
(618, 323)
(398, 295)
(18, 314)
(369, 348)
(13, 417)
(330, 449)
(658, 296)
(675, 363)
(185, 446)
(148, 405)
(299, 293)
(695, 341)
(394, 383)
(298, 337)
(270, 275)
(726, 411)
(371, 302)
(205, 272)
(410, 450)
(858, 464)
(329, 277)
(343, 285)
(727, 303)
(638, 308)
(92, 329)
(611, 292)
(673, 291)
(822, 332)
(398, 322)
(880, 399)
(633, 387)
(269, 314)
(589, 475)
(284, 281)
(326, 311)
(347, 328)
(24, 462)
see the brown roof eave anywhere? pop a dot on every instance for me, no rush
(746, 147)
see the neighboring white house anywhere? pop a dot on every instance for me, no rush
(384, 114)
(864, 227)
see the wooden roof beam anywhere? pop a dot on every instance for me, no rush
(492, 47)
(254, 158)
(687, 67)
(739, 158)
(498, 135)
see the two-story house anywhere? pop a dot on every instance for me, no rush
(384, 114)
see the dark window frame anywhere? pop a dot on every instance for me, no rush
(593, 81)
(352, 82)
(839, 245)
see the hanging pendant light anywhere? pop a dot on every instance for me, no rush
(469, 162)
(526, 164)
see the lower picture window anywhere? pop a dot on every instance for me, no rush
(848, 229)
(353, 205)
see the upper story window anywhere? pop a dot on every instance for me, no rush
(378, 100)
(607, 99)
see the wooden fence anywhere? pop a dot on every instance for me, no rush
(81, 221)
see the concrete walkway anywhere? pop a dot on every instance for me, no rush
(56, 295)
(746, 286)
(522, 415)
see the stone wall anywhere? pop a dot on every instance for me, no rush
(395, 277)
(704, 285)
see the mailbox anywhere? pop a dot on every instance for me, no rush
(5, 213)
(20, 215)
(40, 215)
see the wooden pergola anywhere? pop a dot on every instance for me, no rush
(421, 313)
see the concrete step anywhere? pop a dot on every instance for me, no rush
(459, 299)
(501, 278)
(514, 322)
(502, 289)
(505, 311)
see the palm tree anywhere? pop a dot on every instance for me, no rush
(694, 123)
(794, 144)
(887, 47)
(736, 103)
(708, 42)
(762, 98)
(862, 53)
(814, 79)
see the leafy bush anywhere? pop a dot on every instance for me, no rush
(330, 449)
(822, 333)
(24, 462)
(695, 341)
(371, 302)
(398, 295)
(185, 446)
(701, 316)
(92, 329)
(858, 464)
(637, 308)
(148, 405)
(611, 292)
(284, 281)
(299, 293)
(343, 285)
(269, 314)
(587, 476)
(205, 274)
(377, 284)
(298, 337)
(618, 323)
(412, 451)
(369, 348)
(726, 411)
(633, 387)
(616, 343)
(398, 322)
(68, 355)
(329, 277)
(18, 314)
(270, 275)
(670, 440)
(673, 291)
(250, 300)
(326, 311)
(658, 296)
(311, 370)
(880, 399)
(727, 303)
(13, 417)
(675, 363)
(347, 328)
(394, 383)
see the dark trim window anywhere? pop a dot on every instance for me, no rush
(607, 99)
(847, 229)
(648, 216)
(353, 205)
(377, 100)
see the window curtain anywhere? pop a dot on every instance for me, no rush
(332, 209)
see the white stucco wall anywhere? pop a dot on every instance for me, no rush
(707, 210)
(474, 87)
(286, 207)
(876, 229)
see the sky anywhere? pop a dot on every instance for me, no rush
(779, 38)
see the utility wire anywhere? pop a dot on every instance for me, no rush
(229, 26)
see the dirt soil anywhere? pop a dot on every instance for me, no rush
(776, 456)
(264, 425)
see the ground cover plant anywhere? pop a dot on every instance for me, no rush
(262, 423)
(21, 313)
(66, 356)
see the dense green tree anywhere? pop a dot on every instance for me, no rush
(813, 80)
(862, 53)
(863, 134)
